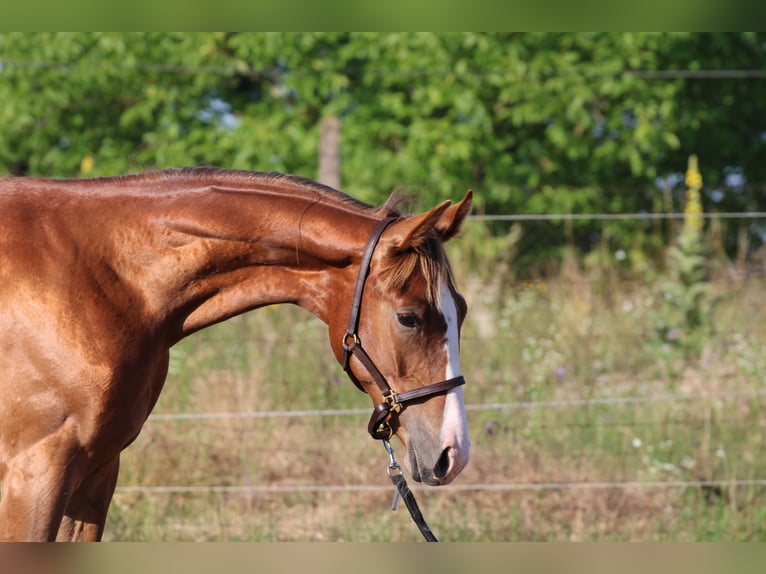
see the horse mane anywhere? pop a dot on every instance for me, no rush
(246, 180)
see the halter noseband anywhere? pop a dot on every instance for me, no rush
(393, 402)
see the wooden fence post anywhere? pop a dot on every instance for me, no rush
(329, 151)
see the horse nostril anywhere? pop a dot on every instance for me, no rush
(443, 464)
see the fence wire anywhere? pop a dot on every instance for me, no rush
(474, 407)
(614, 216)
(497, 487)
(266, 490)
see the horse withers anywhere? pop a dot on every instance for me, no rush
(100, 277)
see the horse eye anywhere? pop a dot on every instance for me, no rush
(409, 320)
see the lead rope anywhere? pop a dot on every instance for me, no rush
(403, 492)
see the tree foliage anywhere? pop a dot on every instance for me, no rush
(534, 122)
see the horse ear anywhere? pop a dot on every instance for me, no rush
(451, 219)
(444, 220)
(412, 231)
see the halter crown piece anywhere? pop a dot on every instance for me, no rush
(379, 426)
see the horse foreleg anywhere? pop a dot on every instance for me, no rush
(85, 513)
(36, 487)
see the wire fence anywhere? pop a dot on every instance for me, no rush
(276, 71)
(475, 407)
(249, 489)
(506, 487)
(615, 216)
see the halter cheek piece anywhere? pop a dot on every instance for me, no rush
(379, 426)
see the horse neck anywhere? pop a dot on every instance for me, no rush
(228, 252)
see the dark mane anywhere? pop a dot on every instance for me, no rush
(246, 180)
(249, 178)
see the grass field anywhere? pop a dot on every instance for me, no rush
(594, 389)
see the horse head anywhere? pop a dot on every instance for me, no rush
(402, 343)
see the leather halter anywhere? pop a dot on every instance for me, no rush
(379, 426)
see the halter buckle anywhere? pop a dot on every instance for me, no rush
(380, 427)
(394, 406)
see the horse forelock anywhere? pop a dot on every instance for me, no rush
(427, 261)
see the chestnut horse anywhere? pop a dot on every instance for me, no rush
(100, 277)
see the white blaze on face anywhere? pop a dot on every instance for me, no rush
(454, 432)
